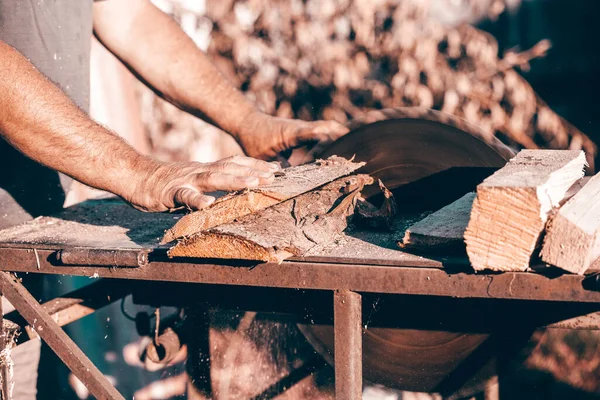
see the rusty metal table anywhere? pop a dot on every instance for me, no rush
(107, 239)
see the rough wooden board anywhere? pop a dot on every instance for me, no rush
(110, 224)
(444, 228)
(572, 240)
(512, 207)
(294, 181)
(291, 228)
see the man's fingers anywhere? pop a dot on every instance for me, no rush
(333, 129)
(192, 198)
(232, 168)
(320, 131)
(213, 181)
(253, 163)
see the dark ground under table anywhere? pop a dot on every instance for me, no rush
(108, 239)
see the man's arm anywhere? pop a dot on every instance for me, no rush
(40, 121)
(153, 46)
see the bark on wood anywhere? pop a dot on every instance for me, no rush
(294, 181)
(371, 217)
(512, 207)
(291, 228)
(444, 228)
(572, 240)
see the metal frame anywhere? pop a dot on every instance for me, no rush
(347, 324)
(347, 282)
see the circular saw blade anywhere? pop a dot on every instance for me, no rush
(427, 159)
(403, 146)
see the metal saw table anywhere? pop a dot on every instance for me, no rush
(108, 239)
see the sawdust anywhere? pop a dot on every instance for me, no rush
(10, 335)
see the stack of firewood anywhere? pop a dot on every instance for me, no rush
(336, 59)
(537, 194)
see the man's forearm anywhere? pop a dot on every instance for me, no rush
(153, 46)
(40, 120)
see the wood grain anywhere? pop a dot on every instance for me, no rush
(444, 228)
(294, 181)
(292, 228)
(572, 240)
(512, 207)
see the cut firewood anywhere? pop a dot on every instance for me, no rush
(512, 207)
(442, 229)
(382, 218)
(446, 227)
(293, 182)
(572, 240)
(291, 228)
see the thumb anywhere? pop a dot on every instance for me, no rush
(333, 129)
(192, 198)
(319, 131)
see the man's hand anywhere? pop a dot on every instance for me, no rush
(152, 44)
(184, 184)
(264, 137)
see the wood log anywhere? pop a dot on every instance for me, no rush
(291, 228)
(572, 240)
(293, 182)
(512, 207)
(442, 229)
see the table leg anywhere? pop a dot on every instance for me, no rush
(347, 310)
(57, 339)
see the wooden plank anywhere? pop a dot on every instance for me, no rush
(57, 339)
(512, 207)
(110, 225)
(293, 182)
(442, 229)
(291, 228)
(572, 240)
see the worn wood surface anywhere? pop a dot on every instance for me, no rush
(291, 228)
(512, 207)
(442, 229)
(110, 224)
(572, 240)
(293, 182)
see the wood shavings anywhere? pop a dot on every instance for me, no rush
(10, 333)
(37, 258)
